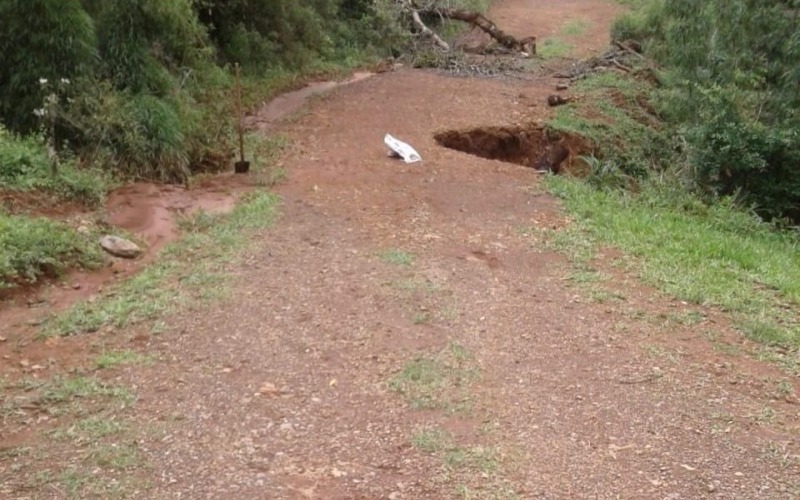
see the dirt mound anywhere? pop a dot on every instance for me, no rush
(529, 145)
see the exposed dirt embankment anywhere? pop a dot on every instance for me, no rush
(528, 145)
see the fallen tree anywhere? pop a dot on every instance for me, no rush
(476, 19)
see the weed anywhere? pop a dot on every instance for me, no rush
(502, 491)
(479, 458)
(25, 167)
(432, 440)
(266, 150)
(90, 429)
(437, 383)
(582, 277)
(657, 351)
(61, 390)
(117, 457)
(602, 295)
(765, 415)
(554, 48)
(575, 27)
(688, 318)
(439, 442)
(729, 349)
(784, 389)
(272, 177)
(112, 359)
(421, 318)
(416, 284)
(397, 257)
(780, 453)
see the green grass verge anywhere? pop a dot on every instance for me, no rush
(191, 269)
(716, 255)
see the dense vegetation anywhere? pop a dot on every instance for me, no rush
(698, 176)
(142, 89)
(140, 86)
(729, 94)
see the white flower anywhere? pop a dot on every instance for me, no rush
(42, 81)
(39, 112)
(65, 81)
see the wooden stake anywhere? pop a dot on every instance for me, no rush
(239, 114)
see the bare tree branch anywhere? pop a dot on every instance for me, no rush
(527, 45)
(423, 28)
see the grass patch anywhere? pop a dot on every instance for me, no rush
(112, 359)
(441, 382)
(31, 248)
(25, 168)
(264, 153)
(191, 269)
(63, 390)
(709, 255)
(396, 257)
(64, 395)
(117, 457)
(503, 491)
(75, 484)
(438, 442)
(421, 318)
(575, 27)
(423, 285)
(432, 440)
(90, 429)
(553, 48)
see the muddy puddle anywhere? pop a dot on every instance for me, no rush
(151, 214)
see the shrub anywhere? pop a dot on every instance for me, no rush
(730, 72)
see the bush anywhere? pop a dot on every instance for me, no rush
(730, 72)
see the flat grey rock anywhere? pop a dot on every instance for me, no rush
(120, 247)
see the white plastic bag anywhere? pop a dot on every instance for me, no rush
(401, 149)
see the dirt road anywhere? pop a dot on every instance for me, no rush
(404, 332)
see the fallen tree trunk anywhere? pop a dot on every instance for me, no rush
(527, 45)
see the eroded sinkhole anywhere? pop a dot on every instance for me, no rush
(528, 145)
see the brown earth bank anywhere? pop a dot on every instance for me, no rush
(405, 332)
